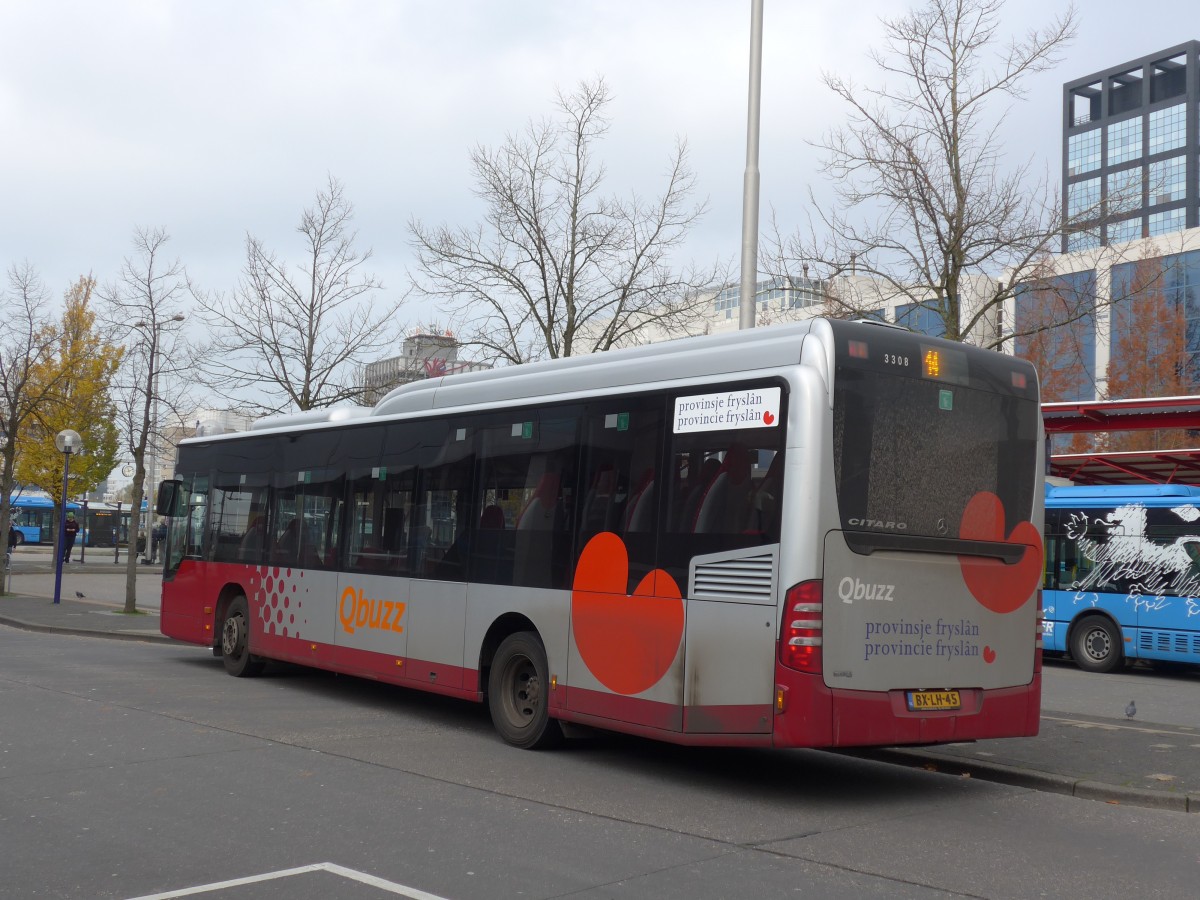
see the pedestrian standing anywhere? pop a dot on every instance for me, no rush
(71, 529)
(157, 536)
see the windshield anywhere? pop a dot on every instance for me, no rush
(911, 452)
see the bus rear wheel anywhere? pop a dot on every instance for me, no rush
(235, 641)
(1096, 644)
(519, 693)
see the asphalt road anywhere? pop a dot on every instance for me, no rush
(1162, 696)
(134, 769)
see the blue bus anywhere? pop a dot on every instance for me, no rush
(34, 516)
(1122, 578)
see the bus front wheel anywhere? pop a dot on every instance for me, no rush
(235, 641)
(1096, 644)
(519, 693)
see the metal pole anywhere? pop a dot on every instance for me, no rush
(749, 284)
(62, 528)
(148, 487)
(86, 533)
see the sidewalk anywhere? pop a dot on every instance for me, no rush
(1116, 761)
(91, 618)
(1123, 761)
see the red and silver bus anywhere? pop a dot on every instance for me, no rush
(825, 534)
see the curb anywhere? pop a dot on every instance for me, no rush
(1046, 782)
(144, 636)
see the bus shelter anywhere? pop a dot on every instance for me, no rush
(1127, 467)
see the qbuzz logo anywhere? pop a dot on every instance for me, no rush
(851, 589)
(356, 611)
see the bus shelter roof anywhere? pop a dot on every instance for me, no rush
(1128, 467)
(1122, 415)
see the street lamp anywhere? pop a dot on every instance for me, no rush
(151, 470)
(67, 442)
(750, 186)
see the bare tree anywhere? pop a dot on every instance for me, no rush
(148, 301)
(285, 340)
(924, 200)
(558, 268)
(28, 340)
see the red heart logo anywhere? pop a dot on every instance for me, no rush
(989, 655)
(768, 418)
(627, 641)
(1000, 588)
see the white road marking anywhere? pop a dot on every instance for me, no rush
(353, 875)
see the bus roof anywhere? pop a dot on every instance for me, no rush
(696, 357)
(707, 357)
(38, 501)
(1114, 493)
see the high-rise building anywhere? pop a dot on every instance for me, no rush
(1130, 140)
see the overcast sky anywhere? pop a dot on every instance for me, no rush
(212, 119)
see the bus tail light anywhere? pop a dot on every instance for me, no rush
(800, 646)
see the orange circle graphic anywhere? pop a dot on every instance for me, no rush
(1000, 588)
(627, 641)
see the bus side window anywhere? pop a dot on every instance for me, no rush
(525, 488)
(620, 454)
(1069, 565)
(725, 498)
(197, 517)
(284, 530)
(239, 507)
(306, 519)
(728, 487)
(380, 507)
(724, 495)
(439, 536)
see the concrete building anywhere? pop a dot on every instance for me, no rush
(846, 296)
(425, 355)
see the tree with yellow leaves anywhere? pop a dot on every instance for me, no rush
(27, 340)
(74, 380)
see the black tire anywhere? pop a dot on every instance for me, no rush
(519, 693)
(235, 641)
(1096, 644)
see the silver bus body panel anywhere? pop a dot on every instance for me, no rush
(896, 620)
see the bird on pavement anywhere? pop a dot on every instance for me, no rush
(1130, 710)
(79, 594)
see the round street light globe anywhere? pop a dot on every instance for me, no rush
(68, 441)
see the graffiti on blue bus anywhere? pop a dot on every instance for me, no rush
(1122, 577)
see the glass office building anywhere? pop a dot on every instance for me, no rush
(1130, 142)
